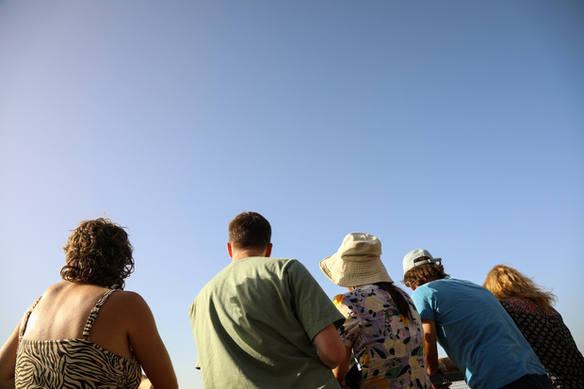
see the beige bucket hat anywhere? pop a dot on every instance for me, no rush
(357, 262)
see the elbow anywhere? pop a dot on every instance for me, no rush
(339, 357)
(334, 357)
(330, 348)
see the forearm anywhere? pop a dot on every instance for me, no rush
(431, 352)
(330, 362)
(341, 370)
(431, 357)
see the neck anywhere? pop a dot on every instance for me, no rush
(237, 254)
(241, 254)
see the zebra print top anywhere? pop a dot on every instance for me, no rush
(73, 363)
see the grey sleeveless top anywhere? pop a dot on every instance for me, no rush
(73, 363)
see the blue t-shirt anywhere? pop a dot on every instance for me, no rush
(476, 333)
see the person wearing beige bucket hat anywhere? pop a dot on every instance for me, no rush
(357, 262)
(382, 328)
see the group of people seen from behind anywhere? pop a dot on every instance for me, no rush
(265, 322)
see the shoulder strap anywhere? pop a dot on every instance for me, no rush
(25, 320)
(94, 311)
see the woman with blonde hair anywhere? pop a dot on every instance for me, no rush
(86, 332)
(531, 308)
(382, 328)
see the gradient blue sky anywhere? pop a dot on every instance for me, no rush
(455, 126)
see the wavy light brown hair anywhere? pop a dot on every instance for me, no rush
(422, 274)
(249, 230)
(507, 283)
(98, 252)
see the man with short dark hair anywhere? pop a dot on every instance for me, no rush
(473, 328)
(264, 322)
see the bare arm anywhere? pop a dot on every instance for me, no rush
(8, 360)
(148, 346)
(331, 350)
(431, 346)
(343, 367)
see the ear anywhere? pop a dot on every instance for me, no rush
(268, 250)
(230, 250)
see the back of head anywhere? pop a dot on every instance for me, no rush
(98, 252)
(421, 267)
(249, 230)
(506, 283)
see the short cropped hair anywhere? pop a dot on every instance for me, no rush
(506, 283)
(98, 252)
(419, 275)
(249, 230)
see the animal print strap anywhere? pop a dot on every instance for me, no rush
(94, 311)
(25, 320)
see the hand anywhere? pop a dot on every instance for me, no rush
(442, 369)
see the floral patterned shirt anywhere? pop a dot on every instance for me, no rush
(388, 346)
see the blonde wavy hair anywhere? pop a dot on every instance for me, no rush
(507, 283)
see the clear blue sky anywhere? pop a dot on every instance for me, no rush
(455, 126)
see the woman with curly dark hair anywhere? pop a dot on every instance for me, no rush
(86, 331)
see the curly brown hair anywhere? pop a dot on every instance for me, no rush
(98, 252)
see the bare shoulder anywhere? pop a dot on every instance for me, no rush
(47, 294)
(54, 289)
(128, 296)
(130, 303)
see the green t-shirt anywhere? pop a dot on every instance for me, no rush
(254, 323)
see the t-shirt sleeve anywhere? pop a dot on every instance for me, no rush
(192, 318)
(313, 307)
(423, 299)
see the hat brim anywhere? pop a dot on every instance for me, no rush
(354, 273)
